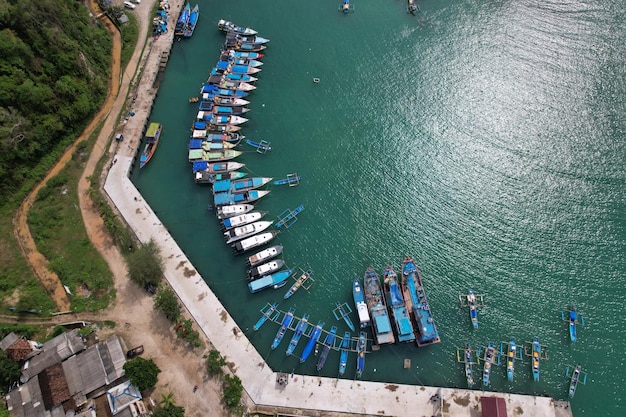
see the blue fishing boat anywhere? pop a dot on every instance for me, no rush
(221, 111)
(473, 301)
(240, 186)
(417, 303)
(578, 377)
(326, 345)
(217, 167)
(343, 356)
(217, 76)
(346, 7)
(227, 27)
(248, 55)
(227, 66)
(412, 7)
(360, 304)
(284, 325)
(489, 358)
(153, 134)
(536, 356)
(377, 308)
(183, 20)
(302, 279)
(315, 335)
(469, 374)
(573, 318)
(396, 304)
(275, 280)
(361, 347)
(270, 308)
(291, 180)
(214, 91)
(297, 334)
(254, 242)
(203, 177)
(224, 199)
(193, 21)
(263, 146)
(342, 311)
(511, 355)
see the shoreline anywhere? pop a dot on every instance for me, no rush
(316, 395)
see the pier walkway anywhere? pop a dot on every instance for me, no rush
(303, 395)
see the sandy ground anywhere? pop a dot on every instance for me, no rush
(138, 322)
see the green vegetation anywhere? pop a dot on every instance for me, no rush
(142, 373)
(145, 264)
(214, 363)
(9, 371)
(53, 78)
(167, 302)
(232, 391)
(24, 330)
(184, 330)
(129, 31)
(174, 411)
(57, 227)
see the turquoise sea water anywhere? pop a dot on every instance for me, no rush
(484, 139)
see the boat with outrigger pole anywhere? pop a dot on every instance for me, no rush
(489, 358)
(326, 345)
(313, 338)
(573, 318)
(412, 7)
(289, 217)
(267, 311)
(577, 377)
(284, 325)
(512, 353)
(468, 357)
(297, 334)
(536, 352)
(343, 356)
(473, 301)
(301, 282)
(341, 312)
(292, 180)
(361, 348)
(346, 7)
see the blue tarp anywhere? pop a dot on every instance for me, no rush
(221, 186)
(200, 166)
(195, 144)
(199, 125)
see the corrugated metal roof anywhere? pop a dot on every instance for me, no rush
(53, 352)
(91, 370)
(8, 340)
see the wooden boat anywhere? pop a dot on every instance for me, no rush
(360, 304)
(232, 137)
(203, 177)
(397, 307)
(236, 46)
(228, 128)
(299, 282)
(240, 186)
(346, 7)
(536, 356)
(326, 345)
(193, 21)
(208, 146)
(264, 146)
(510, 359)
(236, 85)
(216, 110)
(242, 232)
(573, 318)
(275, 280)
(227, 27)
(227, 199)
(152, 140)
(196, 155)
(297, 334)
(183, 20)
(343, 356)
(265, 269)
(255, 241)
(264, 255)
(375, 299)
(578, 377)
(214, 91)
(194, 99)
(266, 314)
(219, 120)
(226, 101)
(293, 180)
(412, 7)
(416, 296)
(239, 54)
(342, 311)
(469, 375)
(284, 325)
(489, 358)
(226, 212)
(472, 301)
(315, 335)
(361, 347)
(242, 219)
(228, 67)
(217, 167)
(248, 39)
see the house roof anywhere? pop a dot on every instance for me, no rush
(8, 340)
(53, 386)
(53, 352)
(19, 350)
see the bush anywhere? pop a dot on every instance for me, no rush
(145, 264)
(167, 302)
(142, 373)
(214, 363)
(232, 391)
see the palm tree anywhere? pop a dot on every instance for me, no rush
(167, 401)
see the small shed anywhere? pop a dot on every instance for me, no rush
(493, 407)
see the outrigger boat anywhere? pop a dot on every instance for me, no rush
(361, 347)
(243, 219)
(512, 353)
(326, 345)
(578, 376)
(255, 241)
(284, 325)
(573, 318)
(346, 7)
(472, 301)
(247, 230)
(315, 335)
(297, 334)
(263, 146)
(153, 135)
(343, 356)
(275, 280)
(415, 294)
(489, 358)
(536, 356)
(264, 255)
(397, 306)
(265, 269)
(304, 277)
(227, 27)
(412, 7)
(359, 303)
(469, 375)
(269, 309)
(226, 212)
(342, 311)
(292, 180)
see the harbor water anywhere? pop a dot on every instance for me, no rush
(483, 139)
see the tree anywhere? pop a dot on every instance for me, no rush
(145, 264)
(142, 373)
(167, 401)
(174, 411)
(232, 391)
(167, 302)
(9, 370)
(214, 363)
